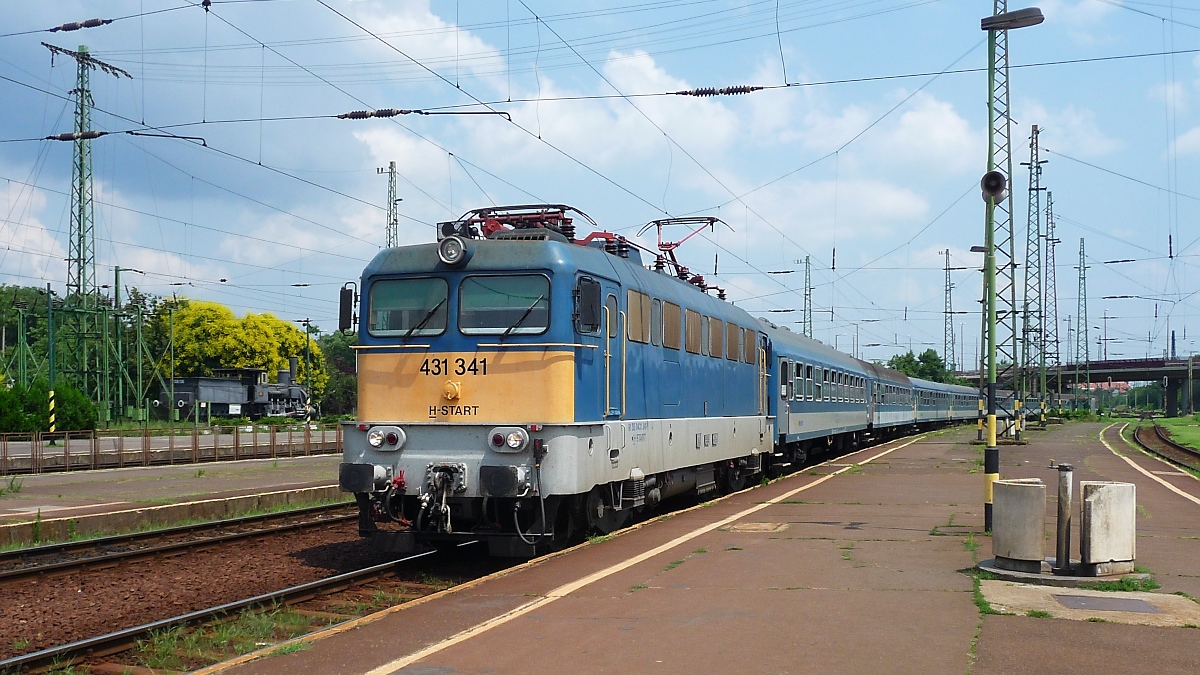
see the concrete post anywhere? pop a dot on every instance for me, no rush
(1062, 552)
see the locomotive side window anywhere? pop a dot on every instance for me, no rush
(656, 322)
(749, 348)
(407, 307)
(516, 304)
(704, 343)
(639, 316)
(692, 331)
(672, 317)
(587, 311)
(716, 341)
(614, 318)
(733, 341)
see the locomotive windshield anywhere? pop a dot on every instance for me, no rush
(408, 307)
(504, 305)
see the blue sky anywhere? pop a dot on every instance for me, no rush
(883, 170)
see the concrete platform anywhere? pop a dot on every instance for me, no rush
(111, 500)
(848, 567)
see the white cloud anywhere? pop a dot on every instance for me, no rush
(1071, 130)
(28, 249)
(1188, 143)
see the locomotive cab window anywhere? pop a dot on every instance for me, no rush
(612, 315)
(587, 308)
(407, 307)
(516, 304)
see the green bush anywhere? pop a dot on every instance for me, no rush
(29, 409)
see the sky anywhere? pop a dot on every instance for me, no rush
(863, 151)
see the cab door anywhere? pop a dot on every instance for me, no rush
(614, 353)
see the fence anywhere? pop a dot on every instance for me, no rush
(38, 452)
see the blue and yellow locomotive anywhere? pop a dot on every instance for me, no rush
(522, 388)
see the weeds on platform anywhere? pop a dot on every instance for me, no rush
(1039, 614)
(1125, 585)
(15, 483)
(971, 543)
(291, 648)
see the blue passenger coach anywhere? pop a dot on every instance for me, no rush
(520, 387)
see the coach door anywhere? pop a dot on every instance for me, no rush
(614, 353)
(785, 396)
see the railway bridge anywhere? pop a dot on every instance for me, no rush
(1175, 373)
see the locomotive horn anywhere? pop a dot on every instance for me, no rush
(994, 185)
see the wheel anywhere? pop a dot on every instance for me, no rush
(600, 518)
(734, 477)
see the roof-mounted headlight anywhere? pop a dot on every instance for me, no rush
(453, 250)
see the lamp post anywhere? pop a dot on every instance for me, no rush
(994, 185)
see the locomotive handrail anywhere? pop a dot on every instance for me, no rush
(389, 346)
(624, 360)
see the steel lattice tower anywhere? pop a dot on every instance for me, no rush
(808, 324)
(1006, 287)
(81, 270)
(1033, 314)
(1051, 348)
(948, 334)
(1083, 371)
(392, 231)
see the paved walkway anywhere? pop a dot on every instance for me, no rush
(93, 492)
(851, 567)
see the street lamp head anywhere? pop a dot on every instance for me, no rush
(978, 249)
(1019, 18)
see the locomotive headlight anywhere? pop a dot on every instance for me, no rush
(508, 439)
(375, 438)
(453, 250)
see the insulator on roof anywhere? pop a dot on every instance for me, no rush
(85, 136)
(76, 25)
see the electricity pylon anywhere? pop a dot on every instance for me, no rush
(1033, 314)
(1050, 344)
(948, 334)
(808, 325)
(1083, 371)
(392, 231)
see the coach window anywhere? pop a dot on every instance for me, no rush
(733, 341)
(407, 307)
(704, 335)
(517, 304)
(828, 385)
(638, 327)
(716, 338)
(808, 382)
(816, 382)
(656, 329)
(672, 317)
(798, 387)
(785, 379)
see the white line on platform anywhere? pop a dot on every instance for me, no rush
(1188, 496)
(567, 589)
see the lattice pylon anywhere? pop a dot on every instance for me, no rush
(1051, 347)
(948, 354)
(1032, 309)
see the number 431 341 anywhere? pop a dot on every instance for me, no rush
(436, 367)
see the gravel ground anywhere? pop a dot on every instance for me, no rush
(58, 609)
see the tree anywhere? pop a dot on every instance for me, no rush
(341, 394)
(928, 366)
(208, 336)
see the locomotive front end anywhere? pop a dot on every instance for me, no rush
(466, 380)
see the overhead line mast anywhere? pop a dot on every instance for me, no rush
(1033, 309)
(392, 229)
(1082, 357)
(948, 334)
(1051, 350)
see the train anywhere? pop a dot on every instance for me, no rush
(238, 392)
(522, 388)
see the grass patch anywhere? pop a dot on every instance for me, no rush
(981, 602)
(180, 648)
(1096, 619)
(1039, 614)
(12, 486)
(1125, 585)
(1183, 594)
(637, 587)
(1142, 510)
(672, 565)
(291, 648)
(598, 538)
(846, 550)
(21, 644)
(700, 550)
(853, 469)
(971, 543)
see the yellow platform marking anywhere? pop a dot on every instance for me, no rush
(1188, 496)
(520, 386)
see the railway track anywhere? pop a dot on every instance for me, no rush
(73, 556)
(97, 650)
(1157, 443)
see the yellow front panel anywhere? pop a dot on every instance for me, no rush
(527, 386)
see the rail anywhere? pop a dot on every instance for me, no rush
(41, 452)
(123, 640)
(21, 563)
(1176, 454)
